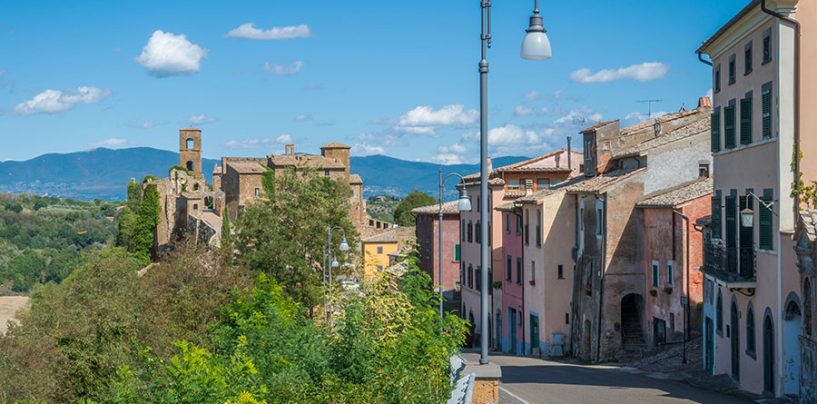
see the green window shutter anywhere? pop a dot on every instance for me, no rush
(746, 120)
(765, 241)
(716, 215)
(731, 221)
(729, 125)
(716, 131)
(766, 109)
(456, 252)
(746, 233)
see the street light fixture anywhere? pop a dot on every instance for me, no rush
(330, 261)
(344, 246)
(535, 46)
(747, 216)
(463, 205)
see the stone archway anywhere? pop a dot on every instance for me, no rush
(792, 326)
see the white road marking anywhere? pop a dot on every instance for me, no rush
(508, 392)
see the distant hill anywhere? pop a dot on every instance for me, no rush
(104, 173)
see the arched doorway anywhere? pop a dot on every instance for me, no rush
(791, 332)
(632, 335)
(768, 353)
(734, 329)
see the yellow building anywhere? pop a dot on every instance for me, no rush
(377, 248)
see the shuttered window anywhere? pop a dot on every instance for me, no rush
(729, 125)
(746, 119)
(716, 215)
(716, 130)
(457, 252)
(765, 240)
(731, 231)
(766, 109)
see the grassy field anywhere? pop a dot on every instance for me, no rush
(9, 306)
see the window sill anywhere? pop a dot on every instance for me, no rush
(751, 354)
(744, 147)
(767, 252)
(765, 62)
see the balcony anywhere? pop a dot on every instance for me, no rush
(735, 267)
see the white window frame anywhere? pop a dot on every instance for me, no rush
(656, 273)
(670, 272)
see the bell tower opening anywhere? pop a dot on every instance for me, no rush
(190, 150)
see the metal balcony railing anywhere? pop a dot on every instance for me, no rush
(731, 265)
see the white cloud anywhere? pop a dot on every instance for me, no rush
(260, 143)
(111, 142)
(511, 135)
(249, 31)
(363, 149)
(522, 110)
(425, 120)
(303, 117)
(532, 95)
(282, 70)
(579, 116)
(447, 158)
(201, 119)
(641, 72)
(454, 148)
(637, 117)
(51, 101)
(709, 93)
(167, 54)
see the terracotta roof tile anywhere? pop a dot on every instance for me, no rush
(247, 167)
(678, 195)
(598, 183)
(448, 208)
(597, 126)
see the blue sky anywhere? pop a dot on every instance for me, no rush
(387, 77)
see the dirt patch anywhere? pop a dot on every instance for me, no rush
(9, 306)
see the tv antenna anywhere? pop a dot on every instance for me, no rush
(649, 106)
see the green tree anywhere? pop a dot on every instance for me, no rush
(416, 199)
(40, 203)
(226, 230)
(284, 234)
(127, 229)
(134, 195)
(147, 218)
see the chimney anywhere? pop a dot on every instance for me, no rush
(704, 102)
(490, 165)
(558, 159)
(290, 150)
(569, 155)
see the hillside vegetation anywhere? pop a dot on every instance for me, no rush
(42, 239)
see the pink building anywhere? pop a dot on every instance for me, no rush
(510, 317)
(668, 219)
(427, 233)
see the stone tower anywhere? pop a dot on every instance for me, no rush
(190, 150)
(340, 152)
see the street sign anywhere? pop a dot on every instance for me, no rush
(684, 300)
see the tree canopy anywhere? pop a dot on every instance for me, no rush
(416, 199)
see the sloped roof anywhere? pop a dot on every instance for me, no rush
(397, 235)
(305, 160)
(507, 206)
(247, 167)
(539, 195)
(598, 183)
(695, 128)
(448, 208)
(355, 179)
(597, 126)
(538, 164)
(677, 195)
(336, 145)
(722, 30)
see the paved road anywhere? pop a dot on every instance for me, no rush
(528, 380)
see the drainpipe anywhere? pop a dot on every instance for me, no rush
(602, 259)
(521, 241)
(704, 61)
(796, 164)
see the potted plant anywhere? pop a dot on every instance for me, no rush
(653, 292)
(668, 289)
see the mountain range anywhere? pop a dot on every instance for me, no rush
(104, 173)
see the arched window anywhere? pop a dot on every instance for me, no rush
(719, 313)
(196, 186)
(190, 166)
(750, 329)
(807, 306)
(190, 144)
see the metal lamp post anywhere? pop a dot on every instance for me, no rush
(535, 46)
(463, 205)
(330, 261)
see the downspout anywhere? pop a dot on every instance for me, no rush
(602, 260)
(704, 61)
(521, 241)
(687, 269)
(796, 163)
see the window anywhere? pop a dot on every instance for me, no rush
(380, 268)
(750, 330)
(538, 228)
(513, 183)
(567, 318)
(670, 272)
(732, 69)
(672, 323)
(599, 221)
(746, 119)
(479, 204)
(190, 144)
(478, 281)
(542, 183)
(719, 313)
(527, 227)
(588, 146)
(765, 221)
(655, 275)
(325, 173)
(478, 232)
(462, 231)
(716, 130)
(518, 271)
(716, 215)
(508, 269)
(766, 109)
(490, 234)
(747, 58)
(195, 206)
(533, 272)
(257, 192)
(729, 125)
(507, 223)
(717, 79)
(457, 252)
(380, 249)
(767, 46)
(470, 232)
(518, 224)
(470, 276)
(560, 272)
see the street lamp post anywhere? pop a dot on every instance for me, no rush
(463, 205)
(535, 46)
(330, 261)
